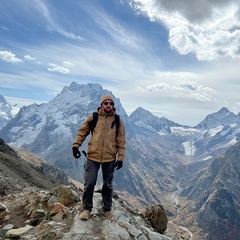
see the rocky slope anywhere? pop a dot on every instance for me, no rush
(214, 198)
(34, 206)
(16, 174)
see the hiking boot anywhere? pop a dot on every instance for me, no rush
(85, 215)
(108, 215)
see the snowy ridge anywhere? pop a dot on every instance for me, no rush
(218, 131)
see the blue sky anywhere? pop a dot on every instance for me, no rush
(176, 58)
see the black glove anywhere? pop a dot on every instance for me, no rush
(118, 165)
(76, 152)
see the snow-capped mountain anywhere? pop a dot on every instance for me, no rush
(157, 149)
(7, 112)
(217, 132)
(222, 118)
(144, 118)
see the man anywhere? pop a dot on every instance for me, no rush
(106, 148)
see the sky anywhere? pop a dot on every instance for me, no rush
(178, 59)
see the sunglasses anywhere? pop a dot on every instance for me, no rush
(106, 103)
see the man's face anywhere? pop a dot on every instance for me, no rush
(107, 106)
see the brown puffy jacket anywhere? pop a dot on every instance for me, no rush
(103, 146)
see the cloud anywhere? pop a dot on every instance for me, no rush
(4, 28)
(9, 57)
(194, 11)
(209, 29)
(181, 85)
(22, 101)
(68, 64)
(56, 68)
(52, 24)
(120, 35)
(29, 58)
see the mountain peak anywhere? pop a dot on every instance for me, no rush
(142, 112)
(145, 118)
(75, 87)
(221, 118)
(224, 110)
(2, 99)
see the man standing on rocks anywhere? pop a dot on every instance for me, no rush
(106, 148)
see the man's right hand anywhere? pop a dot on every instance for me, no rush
(76, 152)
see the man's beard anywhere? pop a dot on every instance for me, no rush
(107, 110)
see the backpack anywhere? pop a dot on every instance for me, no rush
(92, 124)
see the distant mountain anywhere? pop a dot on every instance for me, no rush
(216, 133)
(221, 118)
(222, 130)
(144, 118)
(214, 198)
(5, 112)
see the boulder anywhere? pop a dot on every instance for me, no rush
(157, 216)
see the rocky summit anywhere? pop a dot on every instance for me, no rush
(55, 215)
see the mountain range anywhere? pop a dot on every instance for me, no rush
(163, 158)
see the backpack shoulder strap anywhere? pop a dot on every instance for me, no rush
(117, 120)
(92, 124)
(117, 123)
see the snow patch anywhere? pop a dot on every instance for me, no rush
(189, 148)
(212, 132)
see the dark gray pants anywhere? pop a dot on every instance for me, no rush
(90, 177)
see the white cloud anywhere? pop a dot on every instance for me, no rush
(52, 25)
(29, 58)
(181, 85)
(209, 29)
(68, 64)
(56, 68)
(20, 102)
(9, 57)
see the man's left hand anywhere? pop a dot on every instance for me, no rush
(118, 165)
